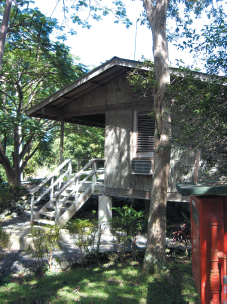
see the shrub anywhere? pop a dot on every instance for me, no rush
(126, 226)
(9, 195)
(45, 241)
(4, 240)
(83, 232)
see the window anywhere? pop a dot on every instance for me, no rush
(143, 143)
(145, 133)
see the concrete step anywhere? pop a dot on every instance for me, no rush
(21, 237)
(43, 222)
(48, 214)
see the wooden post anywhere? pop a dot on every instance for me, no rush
(57, 210)
(61, 147)
(70, 170)
(76, 193)
(62, 139)
(196, 168)
(20, 150)
(52, 188)
(32, 209)
(94, 176)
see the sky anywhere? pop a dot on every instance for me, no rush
(105, 39)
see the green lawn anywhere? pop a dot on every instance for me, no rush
(106, 284)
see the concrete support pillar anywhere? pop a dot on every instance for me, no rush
(131, 200)
(105, 212)
(147, 206)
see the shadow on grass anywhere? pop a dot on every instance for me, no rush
(174, 286)
(119, 284)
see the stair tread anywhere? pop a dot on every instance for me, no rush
(69, 202)
(61, 208)
(52, 214)
(44, 222)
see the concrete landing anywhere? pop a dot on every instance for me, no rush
(20, 236)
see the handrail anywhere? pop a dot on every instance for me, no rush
(50, 176)
(92, 172)
(74, 190)
(50, 189)
(74, 178)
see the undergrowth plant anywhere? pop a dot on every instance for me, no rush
(9, 195)
(45, 241)
(182, 234)
(83, 232)
(127, 226)
(4, 241)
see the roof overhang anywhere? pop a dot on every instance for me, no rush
(51, 107)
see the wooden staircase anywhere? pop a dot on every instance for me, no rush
(67, 192)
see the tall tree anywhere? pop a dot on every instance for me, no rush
(156, 12)
(4, 27)
(90, 9)
(33, 68)
(155, 250)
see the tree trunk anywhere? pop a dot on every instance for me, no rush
(155, 250)
(16, 155)
(13, 173)
(6, 165)
(4, 28)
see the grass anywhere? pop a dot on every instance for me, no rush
(106, 284)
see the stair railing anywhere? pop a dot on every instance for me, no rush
(65, 171)
(79, 184)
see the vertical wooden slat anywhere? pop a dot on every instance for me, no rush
(62, 139)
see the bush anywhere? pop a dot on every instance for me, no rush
(4, 240)
(9, 195)
(84, 232)
(45, 241)
(126, 227)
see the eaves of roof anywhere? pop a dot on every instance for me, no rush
(87, 82)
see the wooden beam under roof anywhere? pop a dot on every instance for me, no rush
(51, 111)
(107, 66)
(110, 107)
(88, 89)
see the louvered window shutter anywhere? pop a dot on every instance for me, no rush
(146, 129)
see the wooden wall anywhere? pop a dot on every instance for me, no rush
(118, 153)
(182, 165)
(116, 92)
(117, 101)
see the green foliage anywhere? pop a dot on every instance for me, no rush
(207, 45)
(4, 240)
(198, 107)
(126, 227)
(96, 10)
(33, 68)
(84, 231)
(143, 80)
(45, 241)
(9, 195)
(81, 142)
(199, 117)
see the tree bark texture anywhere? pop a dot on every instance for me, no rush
(10, 173)
(155, 250)
(4, 28)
